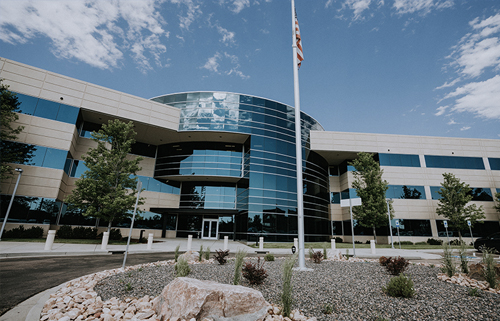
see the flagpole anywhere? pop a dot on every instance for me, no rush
(298, 148)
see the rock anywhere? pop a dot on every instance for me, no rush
(190, 256)
(476, 271)
(188, 298)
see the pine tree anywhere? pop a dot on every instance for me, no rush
(371, 189)
(107, 190)
(455, 196)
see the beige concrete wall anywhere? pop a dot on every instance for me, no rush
(51, 86)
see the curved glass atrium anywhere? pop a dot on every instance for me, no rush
(246, 188)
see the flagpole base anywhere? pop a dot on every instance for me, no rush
(302, 269)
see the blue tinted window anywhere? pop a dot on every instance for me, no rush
(78, 168)
(399, 160)
(28, 104)
(405, 192)
(434, 192)
(335, 197)
(47, 109)
(454, 162)
(494, 163)
(481, 194)
(55, 158)
(38, 156)
(67, 114)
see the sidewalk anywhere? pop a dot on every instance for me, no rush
(30, 309)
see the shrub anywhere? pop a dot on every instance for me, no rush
(420, 243)
(240, 255)
(434, 242)
(338, 240)
(397, 265)
(34, 232)
(81, 232)
(182, 268)
(311, 253)
(325, 252)
(269, 257)
(286, 295)
(358, 242)
(474, 292)
(207, 253)
(176, 253)
(328, 308)
(317, 257)
(221, 256)
(456, 242)
(400, 286)
(65, 232)
(490, 274)
(347, 256)
(200, 254)
(448, 265)
(254, 273)
(383, 260)
(115, 234)
(404, 243)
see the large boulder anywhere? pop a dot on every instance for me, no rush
(186, 298)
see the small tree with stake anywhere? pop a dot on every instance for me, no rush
(371, 189)
(455, 195)
(107, 189)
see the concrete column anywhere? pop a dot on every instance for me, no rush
(261, 243)
(150, 241)
(190, 242)
(333, 244)
(226, 242)
(372, 246)
(105, 239)
(296, 243)
(50, 240)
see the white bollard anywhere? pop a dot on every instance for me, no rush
(190, 242)
(296, 243)
(50, 240)
(226, 242)
(105, 239)
(333, 244)
(150, 241)
(372, 246)
(261, 243)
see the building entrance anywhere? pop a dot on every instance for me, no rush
(210, 229)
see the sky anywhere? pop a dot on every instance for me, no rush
(408, 67)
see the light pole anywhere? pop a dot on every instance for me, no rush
(20, 171)
(388, 200)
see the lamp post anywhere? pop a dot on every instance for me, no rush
(388, 200)
(20, 171)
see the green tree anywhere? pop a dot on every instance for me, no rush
(107, 190)
(11, 151)
(371, 189)
(497, 205)
(455, 195)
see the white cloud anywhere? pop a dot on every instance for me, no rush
(423, 7)
(475, 56)
(441, 110)
(231, 64)
(88, 30)
(193, 12)
(358, 6)
(481, 98)
(236, 5)
(227, 36)
(452, 122)
(465, 128)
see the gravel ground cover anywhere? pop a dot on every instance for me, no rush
(352, 289)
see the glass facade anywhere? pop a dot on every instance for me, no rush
(480, 229)
(47, 109)
(35, 210)
(478, 193)
(494, 163)
(405, 192)
(405, 160)
(266, 198)
(458, 162)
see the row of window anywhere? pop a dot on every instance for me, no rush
(47, 109)
(413, 192)
(431, 161)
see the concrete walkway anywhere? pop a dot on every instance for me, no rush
(30, 309)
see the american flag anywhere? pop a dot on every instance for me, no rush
(300, 54)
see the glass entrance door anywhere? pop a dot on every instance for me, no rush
(210, 229)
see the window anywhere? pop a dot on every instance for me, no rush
(26, 209)
(335, 198)
(478, 193)
(458, 162)
(411, 227)
(405, 160)
(405, 192)
(47, 109)
(44, 156)
(494, 164)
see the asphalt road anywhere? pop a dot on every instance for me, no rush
(21, 278)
